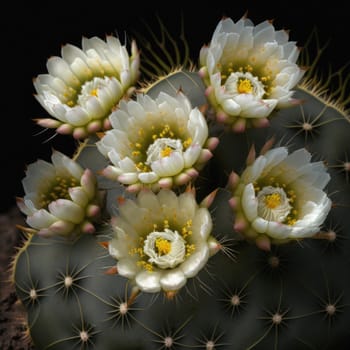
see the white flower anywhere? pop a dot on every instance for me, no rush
(84, 85)
(249, 71)
(279, 197)
(160, 240)
(60, 198)
(156, 143)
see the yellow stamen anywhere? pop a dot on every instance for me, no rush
(187, 142)
(273, 200)
(59, 190)
(165, 152)
(163, 246)
(94, 92)
(147, 266)
(190, 248)
(245, 86)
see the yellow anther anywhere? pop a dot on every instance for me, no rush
(272, 200)
(244, 86)
(165, 152)
(147, 266)
(163, 246)
(187, 142)
(190, 248)
(94, 92)
(136, 153)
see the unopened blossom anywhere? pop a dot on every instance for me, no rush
(250, 71)
(60, 198)
(156, 143)
(83, 86)
(280, 197)
(161, 240)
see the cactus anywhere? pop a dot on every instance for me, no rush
(287, 295)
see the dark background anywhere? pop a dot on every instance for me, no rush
(32, 32)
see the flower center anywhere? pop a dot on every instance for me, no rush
(165, 249)
(244, 83)
(58, 189)
(162, 147)
(273, 204)
(91, 88)
(244, 86)
(272, 200)
(163, 246)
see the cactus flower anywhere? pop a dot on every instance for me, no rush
(61, 198)
(249, 72)
(279, 197)
(84, 85)
(160, 240)
(156, 143)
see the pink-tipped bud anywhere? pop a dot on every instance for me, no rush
(204, 156)
(192, 172)
(240, 225)
(261, 123)
(182, 179)
(239, 126)
(214, 246)
(94, 126)
(251, 155)
(62, 227)
(45, 232)
(87, 227)
(88, 182)
(106, 124)
(209, 90)
(263, 243)
(93, 211)
(48, 123)
(233, 202)
(203, 72)
(208, 200)
(134, 188)
(166, 182)
(233, 180)
(110, 172)
(222, 117)
(65, 129)
(267, 146)
(79, 133)
(212, 143)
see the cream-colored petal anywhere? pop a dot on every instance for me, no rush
(249, 202)
(148, 178)
(169, 166)
(41, 219)
(127, 267)
(149, 282)
(67, 210)
(173, 280)
(193, 264)
(202, 225)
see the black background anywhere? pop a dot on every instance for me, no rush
(32, 32)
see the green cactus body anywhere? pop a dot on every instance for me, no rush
(296, 296)
(291, 296)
